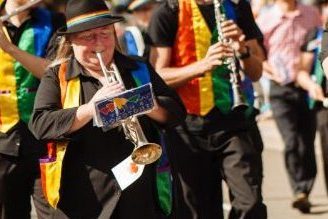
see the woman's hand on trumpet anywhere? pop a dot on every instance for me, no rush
(109, 89)
(86, 111)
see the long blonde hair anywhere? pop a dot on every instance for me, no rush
(64, 51)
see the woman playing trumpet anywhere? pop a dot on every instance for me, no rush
(24, 38)
(91, 152)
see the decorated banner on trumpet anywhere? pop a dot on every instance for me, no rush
(132, 102)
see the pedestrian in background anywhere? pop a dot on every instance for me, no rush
(284, 26)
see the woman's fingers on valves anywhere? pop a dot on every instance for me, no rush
(112, 89)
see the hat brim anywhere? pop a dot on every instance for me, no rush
(88, 25)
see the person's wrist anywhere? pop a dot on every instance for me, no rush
(7, 48)
(203, 67)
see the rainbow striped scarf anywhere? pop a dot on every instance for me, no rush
(193, 39)
(17, 85)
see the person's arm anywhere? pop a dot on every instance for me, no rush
(34, 64)
(253, 64)
(304, 79)
(160, 58)
(50, 121)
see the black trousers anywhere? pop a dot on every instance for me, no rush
(322, 125)
(296, 124)
(200, 162)
(19, 180)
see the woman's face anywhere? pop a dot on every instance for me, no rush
(85, 45)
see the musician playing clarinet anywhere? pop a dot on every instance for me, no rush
(24, 39)
(216, 142)
(83, 153)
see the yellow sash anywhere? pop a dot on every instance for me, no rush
(52, 168)
(9, 115)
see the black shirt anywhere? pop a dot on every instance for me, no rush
(162, 31)
(19, 140)
(164, 23)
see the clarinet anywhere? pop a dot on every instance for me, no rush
(233, 64)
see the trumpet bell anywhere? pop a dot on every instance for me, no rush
(147, 153)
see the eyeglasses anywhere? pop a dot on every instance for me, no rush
(91, 36)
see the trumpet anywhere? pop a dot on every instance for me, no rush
(19, 10)
(239, 102)
(143, 152)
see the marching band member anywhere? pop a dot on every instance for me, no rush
(215, 142)
(24, 39)
(63, 112)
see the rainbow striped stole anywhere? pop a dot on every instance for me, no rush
(51, 166)
(193, 39)
(17, 85)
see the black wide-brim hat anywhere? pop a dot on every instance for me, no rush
(82, 15)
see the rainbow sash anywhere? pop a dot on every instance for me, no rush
(193, 39)
(17, 85)
(51, 166)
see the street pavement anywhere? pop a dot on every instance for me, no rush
(276, 190)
